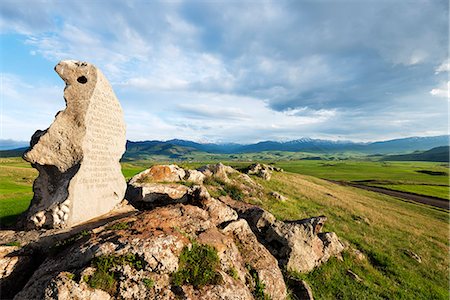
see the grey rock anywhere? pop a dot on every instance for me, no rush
(78, 156)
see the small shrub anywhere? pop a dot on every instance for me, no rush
(233, 273)
(71, 276)
(258, 289)
(198, 266)
(233, 191)
(148, 282)
(214, 181)
(104, 278)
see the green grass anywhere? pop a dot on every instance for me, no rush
(106, 279)
(379, 226)
(197, 266)
(16, 180)
(384, 174)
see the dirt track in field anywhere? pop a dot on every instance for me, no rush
(429, 200)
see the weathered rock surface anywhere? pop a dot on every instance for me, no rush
(157, 238)
(159, 173)
(219, 171)
(298, 245)
(64, 287)
(251, 244)
(78, 155)
(260, 170)
(148, 195)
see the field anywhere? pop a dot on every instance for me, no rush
(423, 178)
(385, 229)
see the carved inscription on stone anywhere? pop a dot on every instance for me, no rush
(78, 155)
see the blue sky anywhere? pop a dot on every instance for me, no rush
(235, 71)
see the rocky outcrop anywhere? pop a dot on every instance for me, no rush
(262, 170)
(140, 254)
(78, 155)
(219, 171)
(298, 245)
(152, 243)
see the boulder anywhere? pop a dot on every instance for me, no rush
(278, 196)
(14, 270)
(150, 195)
(219, 171)
(63, 287)
(298, 245)
(260, 170)
(159, 173)
(78, 156)
(218, 211)
(258, 259)
(194, 176)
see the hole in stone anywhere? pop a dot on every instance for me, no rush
(82, 79)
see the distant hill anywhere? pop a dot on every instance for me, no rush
(11, 144)
(438, 154)
(301, 145)
(182, 149)
(12, 153)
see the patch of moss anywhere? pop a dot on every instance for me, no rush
(233, 273)
(148, 282)
(104, 277)
(119, 226)
(15, 244)
(198, 267)
(186, 183)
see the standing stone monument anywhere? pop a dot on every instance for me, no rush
(78, 156)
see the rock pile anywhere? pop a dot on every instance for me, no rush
(262, 170)
(139, 256)
(78, 155)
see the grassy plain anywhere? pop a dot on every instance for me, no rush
(383, 228)
(401, 176)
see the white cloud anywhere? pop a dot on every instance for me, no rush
(442, 91)
(444, 67)
(242, 71)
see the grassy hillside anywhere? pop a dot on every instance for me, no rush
(424, 178)
(438, 154)
(383, 228)
(16, 179)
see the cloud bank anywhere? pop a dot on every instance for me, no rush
(238, 71)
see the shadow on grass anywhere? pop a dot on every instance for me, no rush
(9, 222)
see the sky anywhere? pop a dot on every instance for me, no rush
(235, 71)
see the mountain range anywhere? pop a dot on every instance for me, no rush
(403, 145)
(179, 149)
